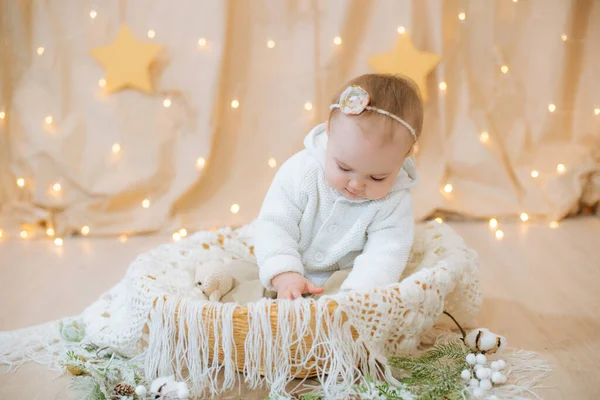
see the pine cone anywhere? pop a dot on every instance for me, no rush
(123, 389)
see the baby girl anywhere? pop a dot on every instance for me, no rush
(344, 201)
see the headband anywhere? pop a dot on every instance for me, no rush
(354, 100)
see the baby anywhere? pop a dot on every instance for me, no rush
(344, 201)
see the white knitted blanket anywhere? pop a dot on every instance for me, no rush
(442, 274)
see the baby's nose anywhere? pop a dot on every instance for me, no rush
(356, 184)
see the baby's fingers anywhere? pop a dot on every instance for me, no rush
(312, 289)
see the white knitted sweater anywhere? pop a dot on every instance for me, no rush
(308, 227)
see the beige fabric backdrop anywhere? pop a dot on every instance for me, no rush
(160, 146)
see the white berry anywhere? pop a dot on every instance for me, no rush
(495, 366)
(493, 397)
(481, 359)
(474, 383)
(482, 373)
(466, 374)
(141, 391)
(485, 384)
(478, 392)
(477, 367)
(501, 364)
(497, 377)
(471, 359)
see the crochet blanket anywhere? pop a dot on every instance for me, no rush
(138, 318)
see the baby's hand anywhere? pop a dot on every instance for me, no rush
(292, 285)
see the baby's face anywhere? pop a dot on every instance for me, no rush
(360, 162)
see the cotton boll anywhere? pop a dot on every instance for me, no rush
(485, 384)
(481, 359)
(474, 383)
(471, 359)
(478, 393)
(466, 374)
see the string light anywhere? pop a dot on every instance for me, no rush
(493, 223)
(401, 30)
(20, 182)
(443, 86)
(58, 242)
(167, 102)
(596, 111)
(102, 82)
(235, 208)
(48, 119)
(146, 203)
(416, 148)
(337, 40)
(534, 174)
(235, 104)
(560, 168)
(551, 107)
(484, 137)
(151, 33)
(40, 51)
(176, 237)
(183, 232)
(462, 16)
(56, 187)
(439, 220)
(23, 234)
(308, 106)
(93, 14)
(116, 148)
(514, 1)
(1, 233)
(504, 69)
(553, 224)
(123, 238)
(2, 115)
(272, 162)
(200, 163)
(563, 37)
(50, 232)
(448, 188)
(524, 217)
(202, 42)
(271, 44)
(499, 234)
(85, 230)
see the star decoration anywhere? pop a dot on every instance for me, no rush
(405, 59)
(127, 62)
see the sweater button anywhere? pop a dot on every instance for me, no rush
(319, 256)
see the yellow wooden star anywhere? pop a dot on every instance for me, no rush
(127, 62)
(406, 60)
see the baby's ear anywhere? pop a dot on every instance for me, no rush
(327, 126)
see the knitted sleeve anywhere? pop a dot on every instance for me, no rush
(389, 241)
(278, 231)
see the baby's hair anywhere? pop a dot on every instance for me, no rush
(396, 94)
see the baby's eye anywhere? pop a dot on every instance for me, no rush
(378, 179)
(342, 168)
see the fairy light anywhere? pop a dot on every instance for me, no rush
(58, 241)
(146, 203)
(1, 233)
(167, 102)
(462, 16)
(443, 86)
(484, 137)
(176, 237)
(20, 182)
(102, 82)
(534, 174)
(504, 69)
(23, 234)
(235, 208)
(551, 107)
(493, 223)
(524, 217)
(270, 44)
(93, 14)
(50, 232)
(123, 238)
(85, 230)
(235, 104)
(308, 106)
(202, 42)
(48, 120)
(272, 162)
(2, 115)
(56, 187)
(499, 234)
(439, 220)
(151, 33)
(401, 30)
(116, 148)
(337, 40)
(560, 168)
(183, 232)
(40, 51)
(448, 188)
(563, 37)
(553, 224)
(200, 163)
(596, 111)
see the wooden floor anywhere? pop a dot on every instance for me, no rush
(541, 286)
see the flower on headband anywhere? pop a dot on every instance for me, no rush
(354, 100)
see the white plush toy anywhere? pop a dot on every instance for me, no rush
(165, 388)
(214, 279)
